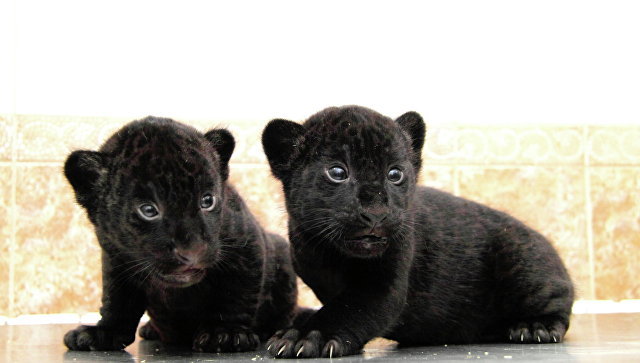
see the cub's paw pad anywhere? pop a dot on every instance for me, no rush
(97, 338)
(148, 332)
(289, 344)
(536, 333)
(224, 340)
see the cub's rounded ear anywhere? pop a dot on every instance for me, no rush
(281, 141)
(412, 123)
(82, 169)
(224, 143)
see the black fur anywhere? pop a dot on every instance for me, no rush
(408, 263)
(209, 279)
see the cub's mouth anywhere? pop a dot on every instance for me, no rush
(368, 245)
(182, 277)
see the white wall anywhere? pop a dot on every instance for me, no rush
(538, 62)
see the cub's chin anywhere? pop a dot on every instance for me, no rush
(366, 246)
(181, 278)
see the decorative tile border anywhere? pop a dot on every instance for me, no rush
(614, 145)
(505, 145)
(52, 138)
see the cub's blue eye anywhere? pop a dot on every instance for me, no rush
(396, 176)
(148, 211)
(337, 174)
(207, 202)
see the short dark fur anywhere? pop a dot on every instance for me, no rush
(408, 263)
(210, 279)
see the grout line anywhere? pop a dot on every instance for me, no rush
(425, 167)
(13, 216)
(456, 169)
(32, 163)
(589, 213)
(528, 165)
(584, 306)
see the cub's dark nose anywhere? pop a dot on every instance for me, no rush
(190, 256)
(373, 216)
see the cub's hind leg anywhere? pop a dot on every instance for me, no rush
(534, 288)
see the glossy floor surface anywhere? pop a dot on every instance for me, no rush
(592, 338)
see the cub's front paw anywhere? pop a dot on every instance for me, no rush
(537, 332)
(289, 344)
(226, 340)
(97, 338)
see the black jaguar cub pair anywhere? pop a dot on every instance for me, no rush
(386, 258)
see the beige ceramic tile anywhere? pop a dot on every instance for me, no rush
(57, 262)
(262, 193)
(5, 237)
(614, 145)
(505, 145)
(616, 226)
(549, 199)
(439, 177)
(6, 137)
(306, 297)
(248, 142)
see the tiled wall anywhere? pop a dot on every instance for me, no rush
(577, 185)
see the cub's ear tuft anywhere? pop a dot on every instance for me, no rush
(83, 168)
(281, 141)
(413, 125)
(224, 143)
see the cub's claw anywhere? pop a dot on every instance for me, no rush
(223, 340)
(537, 332)
(332, 349)
(289, 344)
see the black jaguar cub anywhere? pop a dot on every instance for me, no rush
(388, 258)
(178, 241)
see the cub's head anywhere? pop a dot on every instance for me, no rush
(154, 192)
(348, 175)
